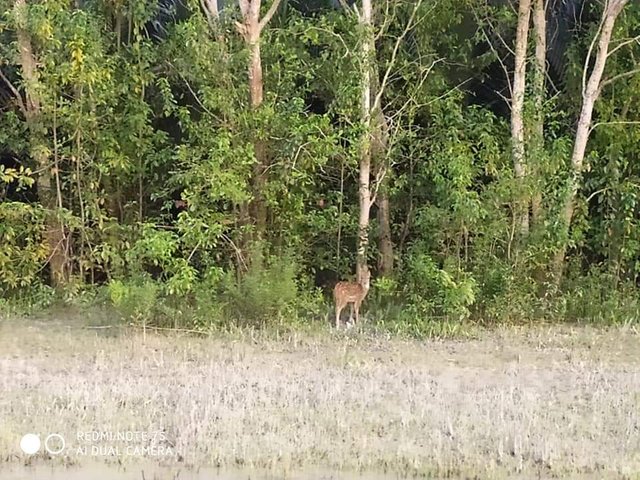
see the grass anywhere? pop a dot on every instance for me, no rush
(530, 401)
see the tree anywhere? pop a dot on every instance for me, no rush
(375, 141)
(521, 209)
(591, 90)
(539, 77)
(385, 244)
(251, 29)
(364, 190)
(48, 190)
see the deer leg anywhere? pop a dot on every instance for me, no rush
(357, 307)
(338, 310)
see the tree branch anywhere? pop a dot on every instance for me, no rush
(210, 8)
(386, 18)
(620, 122)
(394, 54)
(195, 95)
(609, 81)
(587, 60)
(502, 40)
(15, 93)
(242, 30)
(270, 13)
(380, 174)
(623, 44)
(498, 57)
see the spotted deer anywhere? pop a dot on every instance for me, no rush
(350, 292)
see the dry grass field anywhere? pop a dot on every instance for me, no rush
(535, 402)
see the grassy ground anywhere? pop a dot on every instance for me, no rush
(537, 401)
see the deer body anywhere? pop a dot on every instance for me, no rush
(353, 293)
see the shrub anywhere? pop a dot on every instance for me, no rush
(264, 292)
(23, 251)
(599, 297)
(135, 300)
(431, 290)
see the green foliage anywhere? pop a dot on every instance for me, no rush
(433, 291)
(23, 251)
(266, 292)
(208, 309)
(599, 298)
(135, 300)
(36, 298)
(22, 176)
(506, 296)
(152, 148)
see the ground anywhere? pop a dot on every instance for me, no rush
(536, 401)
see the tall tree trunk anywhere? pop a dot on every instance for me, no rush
(55, 237)
(375, 141)
(258, 206)
(251, 28)
(380, 144)
(590, 93)
(385, 260)
(539, 92)
(364, 190)
(521, 208)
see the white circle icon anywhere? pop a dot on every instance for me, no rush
(30, 443)
(60, 442)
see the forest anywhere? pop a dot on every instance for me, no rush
(200, 164)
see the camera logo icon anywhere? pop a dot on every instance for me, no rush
(54, 444)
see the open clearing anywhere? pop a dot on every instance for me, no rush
(530, 402)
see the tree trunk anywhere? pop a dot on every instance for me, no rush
(379, 146)
(539, 92)
(365, 152)
(210, 8)
(258, 206)
(521, 210)
(375, 142)
(55, 237)
(385, 260)
(590, 93)
(251, 29)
